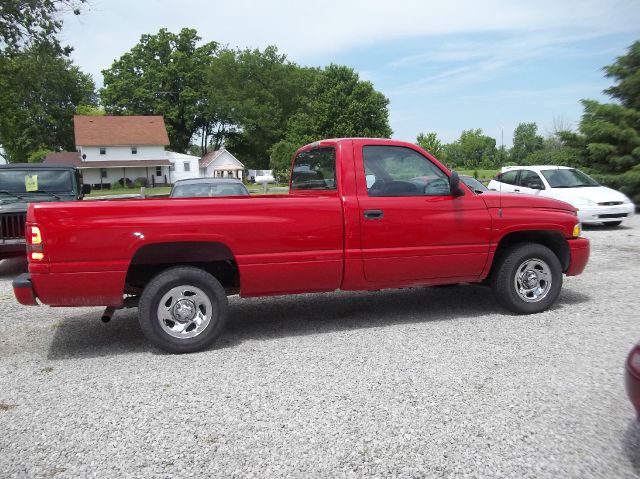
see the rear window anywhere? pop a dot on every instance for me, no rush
(314, 170)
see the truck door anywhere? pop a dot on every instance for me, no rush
(412, 228)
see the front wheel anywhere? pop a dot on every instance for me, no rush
(183, 310)
(527, 278)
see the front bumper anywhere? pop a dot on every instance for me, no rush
(579, 249)
(605, 214)
(23, 290)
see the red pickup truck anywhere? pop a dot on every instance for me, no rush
(361, 214)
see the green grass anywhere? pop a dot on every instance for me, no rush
(258, 189)
(158, 190)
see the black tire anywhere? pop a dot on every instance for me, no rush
(514, 265)
(189, 279)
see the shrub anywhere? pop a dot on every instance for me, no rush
(141, 181)
(125, 182)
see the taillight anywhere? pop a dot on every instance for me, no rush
(34, 244)
(36, 236)
(37, 255)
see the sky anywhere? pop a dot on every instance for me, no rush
(445, 66)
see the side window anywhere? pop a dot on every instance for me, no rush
(401, 171)
(508, 177)
(314, 169)
(530, 179)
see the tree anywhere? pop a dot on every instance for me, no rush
(252, 94)
(339, 105)
(608, 141)
(40, 89)
(472, 150)
(430, 143)
(24, 22)
(626, 72)
(525, 141)
(164, 74)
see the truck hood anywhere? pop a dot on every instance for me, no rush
(515, 200)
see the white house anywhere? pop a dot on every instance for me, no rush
(183, 166)
(110, 148)
(221, 164)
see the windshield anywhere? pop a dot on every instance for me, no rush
(35, 181)
(568, 179)
(209, 189)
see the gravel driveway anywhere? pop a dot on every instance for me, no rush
(412, 383)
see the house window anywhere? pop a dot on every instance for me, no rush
(158, 170)
(172, 167)
(187, 166)
(103, 150)
(134, 150)
(103, 172)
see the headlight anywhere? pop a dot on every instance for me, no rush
(582, 202)
(577, 229)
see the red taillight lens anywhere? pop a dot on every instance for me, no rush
(34, 244)
(35, 237)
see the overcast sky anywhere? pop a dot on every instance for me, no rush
(445, 66)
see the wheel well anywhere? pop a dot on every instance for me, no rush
(553, 240)
(215, 258)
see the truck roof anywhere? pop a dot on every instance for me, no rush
(35, 166)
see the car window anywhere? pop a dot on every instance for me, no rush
(568, 178)
(474, 184)
(314, 169)
(209, 189)
(402, 171)
(508, 177)
(25, 181)
(531, 179)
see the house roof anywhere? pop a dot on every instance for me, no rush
(120, 130)
(226, 162)
(172, 155)
(72, 158)
(210, 157)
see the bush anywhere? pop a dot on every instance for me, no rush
(125, 182)
(141, 181)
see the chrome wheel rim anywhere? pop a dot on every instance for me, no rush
(533, 280)
(184, 312)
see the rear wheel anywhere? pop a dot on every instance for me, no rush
(527, 278)
(183, 310)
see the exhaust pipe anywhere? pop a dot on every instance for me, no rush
(108, 313)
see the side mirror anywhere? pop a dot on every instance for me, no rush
(454, 184)
(86, 189)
